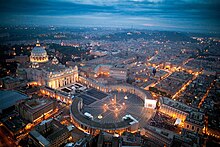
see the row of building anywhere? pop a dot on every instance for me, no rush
(191, 118)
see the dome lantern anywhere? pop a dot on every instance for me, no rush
(38, 43)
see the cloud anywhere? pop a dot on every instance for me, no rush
(149, 25)
(155, 1)
(162, 13)
(95, 2)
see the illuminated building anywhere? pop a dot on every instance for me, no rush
(119, 73)
(108, 88)
(13, 123)
(194, 122)
(192, 118)
(61, 96)
(49, 133)
(102, 69)
(32, 110)
(98, 53)
(173, 108)
(50, 73)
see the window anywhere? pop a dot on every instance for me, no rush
(187, 126)
(192, 127)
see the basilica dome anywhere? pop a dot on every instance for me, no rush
(38, 54)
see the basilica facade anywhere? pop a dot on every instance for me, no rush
(47, 72)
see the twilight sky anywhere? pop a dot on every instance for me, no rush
(185, 15)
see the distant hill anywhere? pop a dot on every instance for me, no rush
(156, 35)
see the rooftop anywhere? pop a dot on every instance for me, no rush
(10, 98)
(176, 104)
(39, 137)
(9, 79)
(35, 105)
(52, 67)
(13, 122)
(55, 130)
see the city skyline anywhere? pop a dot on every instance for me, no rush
(185, 15)
(109, 73)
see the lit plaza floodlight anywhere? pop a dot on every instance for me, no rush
(99, 116)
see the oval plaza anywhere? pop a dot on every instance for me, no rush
(111, 108)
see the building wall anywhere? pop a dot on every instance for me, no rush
(51, 79)
(31, 114)
(193, 127)
(42, 111)
(60, 139)
(192, 124)
(108, 88)
(54, 94)
(62, 80)
(120, 74)
(56, 140)
(36, 142)
(173, 112)
(11, 83)
(157, 138)
(102, 70)
(36, 75)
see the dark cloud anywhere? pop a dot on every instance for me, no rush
(188, 14)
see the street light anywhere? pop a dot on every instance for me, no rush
(99, 116)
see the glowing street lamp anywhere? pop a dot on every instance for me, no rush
(99, 116)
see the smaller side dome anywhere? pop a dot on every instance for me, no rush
(55, 61)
